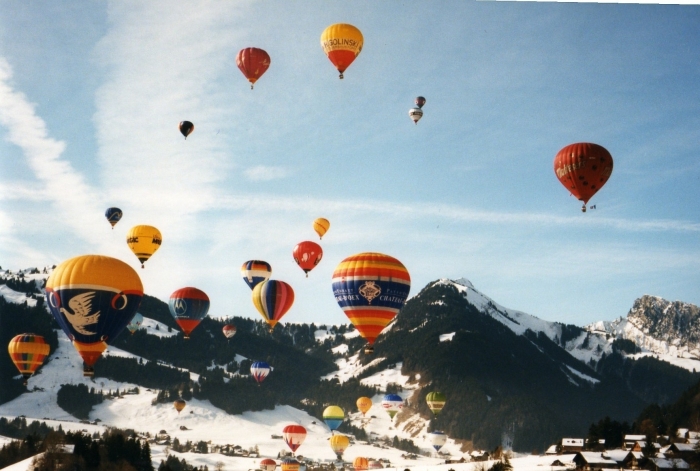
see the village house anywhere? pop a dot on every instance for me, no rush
(631, 440)
(626, 459)
(569, 445)
(666, 464)
(684, 451)
(593, 460)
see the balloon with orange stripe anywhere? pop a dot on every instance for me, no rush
(371, 288)
(272, 299)
(28, 352)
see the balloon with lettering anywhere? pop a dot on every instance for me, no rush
(28, 352)
(113, 216)
(144, 241)
(436, 401)
(259, 371)
(392, 404)
(364, 404)
(307, 254)
(339, 443)
(321, 226)
(583, 168)
(294, 436)
(371, 288)
(415, 114)
(268, 464)
(333, 416)
(135, 323)
(290, 464)
(360, 464)
(179, 404)
(420, 101)
(93, 298)
(186, 128)
(188, 306)
(342, 43)
(253, 62)
(255, 271)
(229, 330)
(437, 439)
(273, 299)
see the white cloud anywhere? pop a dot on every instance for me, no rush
(263, 173)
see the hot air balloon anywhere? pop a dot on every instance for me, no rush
(268, 465)
(437, 439)
(113, 216)
(373, 464)
(321, 226)
(415, 114)
(339, 443)
(583, 168)
(294, 436)
(273, 299)
(188, 306)
(255, 271)
(360, 464)
(179, 404)
(392, 403)
(144, 241)
(186, 128)
(27, 352)
(371, 288)
(289, 464)
(93, 298)
(307, 254)
(259, 371)
(229, 330)
(364, 404)
(436, 401)
(135, 323)
(420, 101)
(342, 43)
(253, 62)
(333, 416)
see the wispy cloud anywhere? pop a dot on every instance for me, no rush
(263, 173)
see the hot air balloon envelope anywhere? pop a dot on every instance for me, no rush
(415, 114)
(229, 330)
(342, 43)
(255, 271)
(268, 465)
(28, 352)
(294, 436)
(253, 62)
(333, 416)
(179, 404)
(364, 404)
(113, 215)
(360, 464)
(321, 226)
(93, 298)
(135, 323)
(371, 288)
(307, 254)
(259, 371)
(289, 464)
(144, 241)
(273, 299)
(420, 101)
(188, 306)
(339, 443)
(392, 403)
(583, 168)
(436, 401)
(437, 439)
(186, 128)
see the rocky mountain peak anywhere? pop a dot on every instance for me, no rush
(674, 322)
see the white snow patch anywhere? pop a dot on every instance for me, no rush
(582, 376)
(15, 297)
(447, 337)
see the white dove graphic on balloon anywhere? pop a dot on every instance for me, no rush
(81, 305)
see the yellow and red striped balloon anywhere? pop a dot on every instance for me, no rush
(342, 43)
(371, 288)
(272, 299)
(28, 352)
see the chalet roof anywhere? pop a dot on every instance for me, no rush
(692, 434)
(683, 447)
(552, 450)
(682, 432)
(635, 438)
(596, 458)
(572, 442)
(665, 463)
(617, 455)
(693, 441)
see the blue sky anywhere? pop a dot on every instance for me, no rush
(91, 94)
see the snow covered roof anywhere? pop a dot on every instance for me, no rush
(635, 438)
(683, 447)
(665, 463)
(593, 457)
(617, 455)
(552, 450)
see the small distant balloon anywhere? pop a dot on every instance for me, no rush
(186, 128)
(179, 404)
(437, 439)
(294, 436)
(255, 272)
(321, 226)
(360, 464)
(339, 443)
(113, 216)
(229, 330)
(333, 416)
(253, 62)
(135, 323)
(415, 114)
(268, 464)
(392, 403)
(28, 352)
(188, 306)
(259, 371)
(364, 404)
(420, 101)
(307, 254)
(144, 241)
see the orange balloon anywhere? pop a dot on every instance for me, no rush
(179, 404)
(583, 168)
(360, 464)
(364, 404)
(342, 43)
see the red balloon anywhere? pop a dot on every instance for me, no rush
(307, 254)
(253, 62)
(583, 168)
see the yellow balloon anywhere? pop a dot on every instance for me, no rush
(321, 226)
(144, 241)
(339, 443)
(342, 43)
(364, 404)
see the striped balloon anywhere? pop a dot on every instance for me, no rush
(28, 352)
(188, 306)
(371, 288)
(259, 371)
(436, 401)
(360, 464)
(333, 416)
(437, 439)
(321, 226)
(273, 299)
(255, 271)
(294, 436)
(392, 403)
(339, 443)
(268, 464)
(289, 464)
